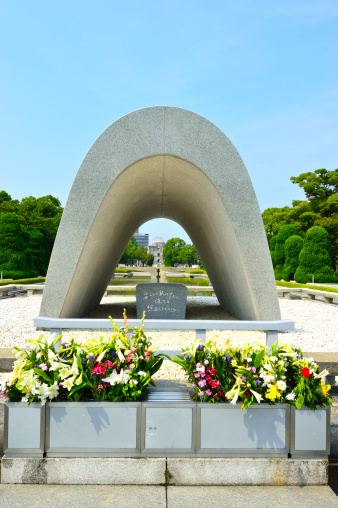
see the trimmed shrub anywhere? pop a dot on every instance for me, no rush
(314, 258)
(197, 270)
(22, 281)
(297, 285)
(279, 254)
(292, 247)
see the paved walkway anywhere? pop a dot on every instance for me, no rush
(29, 496)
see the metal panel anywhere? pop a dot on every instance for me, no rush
(94, 427)
(230, 427)
(168, 428)
(310, 432)
(24, 429)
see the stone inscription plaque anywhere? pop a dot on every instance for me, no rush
(161, 301)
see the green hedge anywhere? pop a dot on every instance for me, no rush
(122, 270)
(22, 281)
(197, 270)
(188, 282)
(307, 286)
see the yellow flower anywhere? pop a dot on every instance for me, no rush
(325, 388)
(273, 393)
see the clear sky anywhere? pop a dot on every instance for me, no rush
(265, 72)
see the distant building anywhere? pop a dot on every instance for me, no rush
(157, 249)
(142, 238)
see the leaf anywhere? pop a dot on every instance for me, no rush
(76, 388)
(156, 367)
(41, 373)
(259, 358)
(300, 401)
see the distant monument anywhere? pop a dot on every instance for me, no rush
(171, 163)
(157, 249)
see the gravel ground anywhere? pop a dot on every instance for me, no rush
(316, 324)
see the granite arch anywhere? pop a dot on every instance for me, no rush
(162, 162)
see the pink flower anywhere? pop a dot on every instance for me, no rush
(200, 394)
(206, 362)
(100, 386)
(43, 366)
(218, 383)
(132, 349)
(202, 374)
(202, 382)
(196, 374)
(208, 392)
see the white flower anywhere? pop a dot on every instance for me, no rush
(74, 369)
(53, 391)
(249, 359)
(281, 385)
(120, 355)
(69, 383)
(79, 380)
(99, 358)
(257, 395)
(291, 396)
(141, 373)
(273, 358)
(124, 376)
(323, 373)
(113, 379)
(64, 372)
(235, 397)
(24, 399)
(51, 355)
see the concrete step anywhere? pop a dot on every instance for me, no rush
(31, 496)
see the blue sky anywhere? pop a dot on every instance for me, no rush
(265, 72)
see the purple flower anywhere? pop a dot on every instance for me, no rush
(113, 354)
(200, 347)
(187, 357)
(227, 356)
(258, 382)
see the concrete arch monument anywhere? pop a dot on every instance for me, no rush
(162, 162)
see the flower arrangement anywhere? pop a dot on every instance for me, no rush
(114, 369)
(253, 374)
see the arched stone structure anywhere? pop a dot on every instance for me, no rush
(162, 162)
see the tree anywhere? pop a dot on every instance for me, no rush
(172, 252)
(314, 258)
(319, 184)
(292, 247)
(130, 254)
(13, 239)
(190, 255)
(279, 254)
(320, 209)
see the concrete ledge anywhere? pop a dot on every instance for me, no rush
(107, 471)
(161, 471)
(274, 472)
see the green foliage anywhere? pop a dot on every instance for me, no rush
(134, 253)
(279, 254)
(123, 270)
(13, 238)
(22, 281)
(319, 184)
(196, 270)
(292, 247)
(172, 252)
(39, 219)
(188, 282)
(320, 209)
(314, 258)
(298, 285)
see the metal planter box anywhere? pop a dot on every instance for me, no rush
(24, 429)
(225, 430)
(310, 433)
(164, 426)
(93, 429)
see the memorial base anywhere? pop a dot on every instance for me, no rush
(164, 429)
(165, 471)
